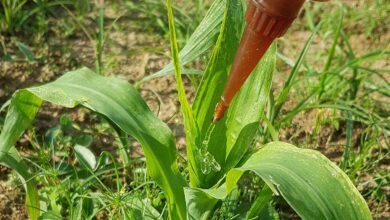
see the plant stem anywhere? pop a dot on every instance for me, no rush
(100, 39)
(331, 54)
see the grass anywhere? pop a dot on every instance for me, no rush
(339, 84)
(188, 14)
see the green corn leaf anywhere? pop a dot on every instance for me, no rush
(201, 40)
(311, 184)
(214, 79)
(217, 71)
(120, 103)
(247, 108)
(199, 203)
(21, 112)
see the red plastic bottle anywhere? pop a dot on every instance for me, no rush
(266, 20)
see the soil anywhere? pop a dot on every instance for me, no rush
(11, 199)
(131, 53)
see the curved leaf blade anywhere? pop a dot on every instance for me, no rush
(200, 204)
(313, 186)
(118, 101)
(21, 112)
(123, 105)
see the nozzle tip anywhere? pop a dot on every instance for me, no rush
(219, 111)
(215, 119)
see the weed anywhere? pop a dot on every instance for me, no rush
(187, 15)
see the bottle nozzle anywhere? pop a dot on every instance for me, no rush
(266, 20)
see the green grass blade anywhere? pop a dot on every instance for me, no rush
(26, 51)
(360, 114)
(291, 77)
(339, 70)
(100, 39)
(312, 185)
(348, 145)
(332, 51)
(120, 103)
(191, 128)
(201, 40)
(76, 212)
(335, 40)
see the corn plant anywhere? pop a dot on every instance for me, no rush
(217, 156)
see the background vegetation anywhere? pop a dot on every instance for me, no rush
(338, 101)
